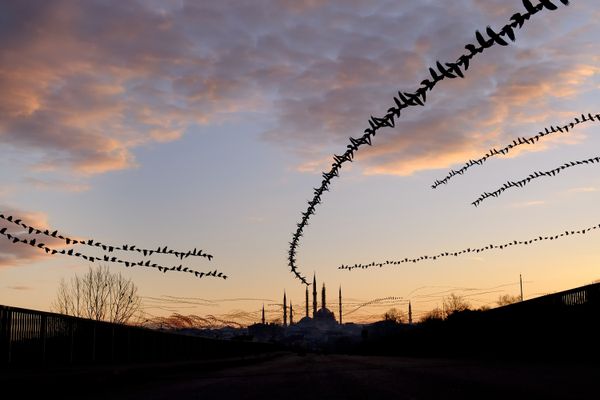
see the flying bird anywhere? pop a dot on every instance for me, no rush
(516, 142)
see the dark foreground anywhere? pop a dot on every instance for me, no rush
(350, 377)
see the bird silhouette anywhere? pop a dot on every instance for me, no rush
(516, 142)
(71, 252)
(521, 183)
(501, 246)
(92, 242)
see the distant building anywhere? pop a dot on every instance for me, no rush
(323, 316)
(311, 332)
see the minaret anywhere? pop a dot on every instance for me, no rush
(314, 295)
(340, 305)
(323, 297)
(263, 315)
(409, 313)
(307, 301)
(291, 314)
(284, 310)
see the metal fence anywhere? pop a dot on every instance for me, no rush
(587, 296)
(29, 337)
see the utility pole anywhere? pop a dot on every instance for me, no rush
(409, 313)
(521, 282)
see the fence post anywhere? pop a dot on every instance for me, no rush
(43, 336)
(129, 345)
(8, 334)
(4, 336)
(112, 344)
(72, 339)
(93, 342)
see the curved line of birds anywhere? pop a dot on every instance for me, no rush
(450, 70)
(14, 238)
(515, 143)
(374, 301)
(538, 174)
(475, 250)
(110, 248)
(436, 295)
(453, 289)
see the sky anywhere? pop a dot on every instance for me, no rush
(208, 124)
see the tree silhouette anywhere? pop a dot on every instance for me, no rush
(455, 303)
(507, 299)
(99, 295)
(395, 315)
(434, 315)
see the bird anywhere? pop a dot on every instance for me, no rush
(495, 37)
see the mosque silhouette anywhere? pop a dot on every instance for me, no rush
(320, 316)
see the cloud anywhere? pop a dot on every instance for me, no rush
(255, 219)
(20, 287)
(86, 83)
(507, 93)
(532, 203)
(587, 189)
(55, 184)
(13, 254)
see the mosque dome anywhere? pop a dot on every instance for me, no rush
(324, 315)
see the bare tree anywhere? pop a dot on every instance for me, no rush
(455, 303)
(99, 295)
(507, 299)
(433, 315)
(395, 315)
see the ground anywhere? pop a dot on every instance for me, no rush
(312, 376)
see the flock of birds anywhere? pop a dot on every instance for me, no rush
(517, 142)
(393, 299)
(535, 175)
(16, 238)
(450, 70)
(473, 250)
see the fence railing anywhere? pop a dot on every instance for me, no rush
(588, 295)
(29, 337)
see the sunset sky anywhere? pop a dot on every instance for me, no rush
(207, 124)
